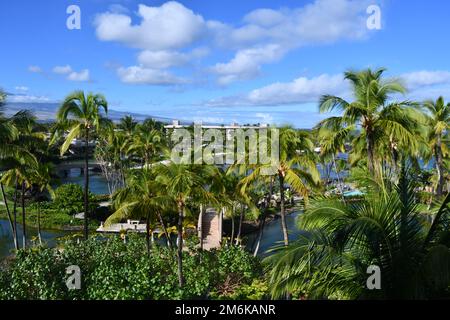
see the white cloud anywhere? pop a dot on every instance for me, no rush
(264, 17)
(165, 33)
(426, 84)
(142, 75)
(421, 84)
(72, 75)
(246, 63)
(298, 91)
(321, 22)
(21, 98)
(118, 8)
(21, 88)
(418, 79)
(35, 69)
(162, 59)
(301, 90)
(62, 69)
(82, 76)
(170, 26)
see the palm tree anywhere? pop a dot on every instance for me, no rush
(386, 229)
(372, 111)
(127, 125)
(82, 113)
(144, 198)
(19, 176)
(438, 123)
(332, 142)
(41, 178)
(184, 183)
(296, 167)
(147, 144)
(20, 145)
(8, 134)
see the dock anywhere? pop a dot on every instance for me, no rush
(130, 225)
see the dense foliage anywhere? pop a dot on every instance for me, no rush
(112, 269)
(69, 198)
(384, 228)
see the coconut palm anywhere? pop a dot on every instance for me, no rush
(386, 229)
(183, 183)
(83, 116)
(41, 177)
(144, 198)
(438, 124)
(146, 144)
(20, 145)
(127, 125)
(332, 142)
(296, 167)
(19, 177)
(8, 134)
(372, 110)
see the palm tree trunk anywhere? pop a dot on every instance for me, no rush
(370, 155)
(200, 227)
(39, 224)
(262, 222)
(282, 211)
(166, 233)
(86, 184)
(338, 177)
(439, 167)
(147, 234)
(11, 224)
(221, 213)
(241, 220)
(180, 246)
(24, 231)
(232, 226)
(16, 236)
(395, 161)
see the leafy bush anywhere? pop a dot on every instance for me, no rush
(112, 269)
(257, 290)
(70, 198)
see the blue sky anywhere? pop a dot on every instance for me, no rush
(219, 61)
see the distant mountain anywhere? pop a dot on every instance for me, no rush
(47, 112)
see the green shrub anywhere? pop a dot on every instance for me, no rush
(112, 269)
(70, 198)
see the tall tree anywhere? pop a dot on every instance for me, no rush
(296, 167)
(41, 178)
(143, 198)
(127, 125)
(83, 116)
(332, 142)
(20, 144)
(183, 183)
(438, 125)
(373, 111)
(147, 144)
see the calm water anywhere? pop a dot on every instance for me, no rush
(97, 183)
(273, 235)
(6, 239)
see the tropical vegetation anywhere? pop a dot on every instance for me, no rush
(371, 184)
